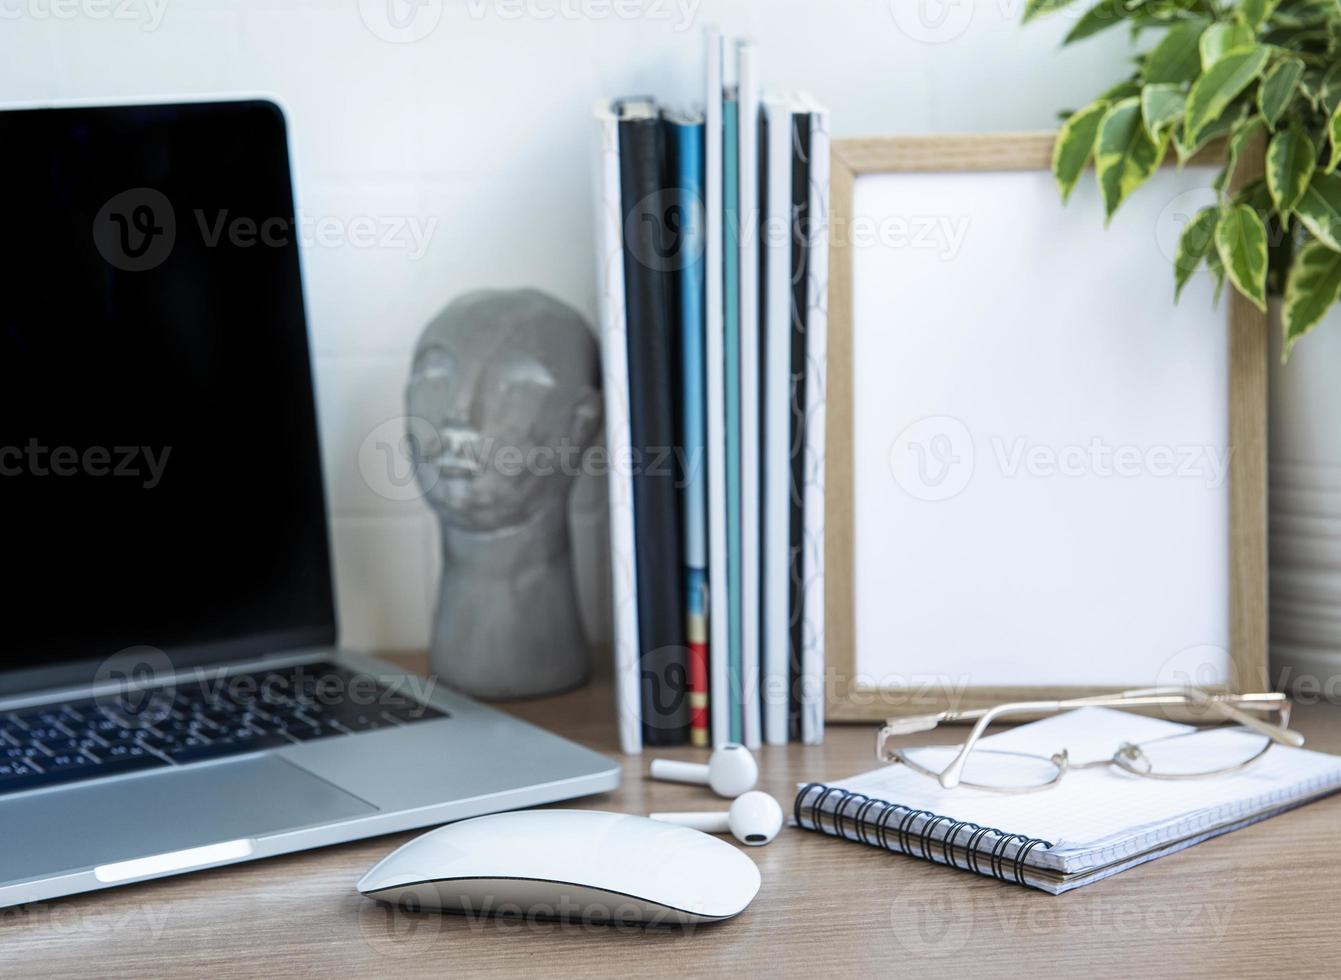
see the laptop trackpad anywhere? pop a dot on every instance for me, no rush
(154, 813)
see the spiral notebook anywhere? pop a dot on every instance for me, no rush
(1093, 824)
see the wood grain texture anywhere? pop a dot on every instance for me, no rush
(840, 639)
(1258, 901)
(847, 698)
(867, 704)
(966, 152)
(952, 153)
(1248, 353)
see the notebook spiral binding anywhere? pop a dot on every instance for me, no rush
(907, 830)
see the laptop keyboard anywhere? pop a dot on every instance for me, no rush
(193, 720)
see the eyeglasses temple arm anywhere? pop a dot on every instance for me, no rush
(1227, 705)
(1149, 697)
(1277, 733)
(950, 777)
(1152, 696)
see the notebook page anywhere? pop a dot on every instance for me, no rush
(1099, 815)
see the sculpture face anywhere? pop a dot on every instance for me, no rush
(505, 384)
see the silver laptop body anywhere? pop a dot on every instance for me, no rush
(119, 762)
(103, 832)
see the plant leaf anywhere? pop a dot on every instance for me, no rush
(1311, 85)
(1100, 17)
(1242, 134)
(1334, 137)
(1221, 38)
(1278, 87)
(1217, 271)
(1306, 13)
(1196, 241)
(1322, 87)
(1075, 146)
(1289, 166)
(1161, 105)
(1312, 289)
(1320, 209)
(1175, 59)
(1124, 154)
(1240, 240)
(1255, 12)
(1212, 93)
(1037, 8)
(1223, 126)
(1329, 90)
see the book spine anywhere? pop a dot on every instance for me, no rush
(800, 308)
(714, 344)
(664, 659)
(686, 145)
(917, 833)
(615, 367)
(817, 357)
(776, 484)
(747, 135)
(731, 374)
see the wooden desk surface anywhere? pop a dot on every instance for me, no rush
(1263, 900)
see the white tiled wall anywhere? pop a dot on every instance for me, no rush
(479, 130)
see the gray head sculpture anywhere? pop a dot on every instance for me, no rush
(504, 399)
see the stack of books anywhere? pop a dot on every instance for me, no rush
(713, 265)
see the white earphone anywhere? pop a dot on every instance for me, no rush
(730, 771)
(755, 819)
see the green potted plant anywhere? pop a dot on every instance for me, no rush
(1255, 74)
(1240, 71)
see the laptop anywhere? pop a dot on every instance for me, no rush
(173, 695)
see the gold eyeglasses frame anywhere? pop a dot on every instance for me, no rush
(1240, 709)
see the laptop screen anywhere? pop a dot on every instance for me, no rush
(160, 479)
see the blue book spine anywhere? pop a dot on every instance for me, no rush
(731, 300)
(686, 151)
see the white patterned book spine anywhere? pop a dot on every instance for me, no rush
(777, 418)
(719, 704)
(751, 512)
(614, 353)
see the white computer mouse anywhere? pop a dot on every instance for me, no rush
(580, 865)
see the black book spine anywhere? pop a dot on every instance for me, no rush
(800, 308)
(645, 196)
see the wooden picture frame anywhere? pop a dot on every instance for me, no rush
(847, 699)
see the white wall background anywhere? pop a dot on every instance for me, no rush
(473, 121)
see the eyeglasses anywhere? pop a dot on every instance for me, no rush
(1244, 738)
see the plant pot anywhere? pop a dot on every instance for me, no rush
(1305, 511)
